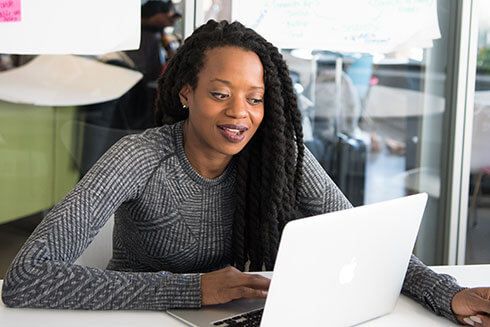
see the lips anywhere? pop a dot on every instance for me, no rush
(233, 133)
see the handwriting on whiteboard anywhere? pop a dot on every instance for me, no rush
(347, 25)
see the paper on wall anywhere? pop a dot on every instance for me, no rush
(64, 80)
(69, 26)
(345, 26)
(10, 11)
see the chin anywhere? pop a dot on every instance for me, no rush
(234, 149)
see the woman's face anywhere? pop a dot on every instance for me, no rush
(227, 106)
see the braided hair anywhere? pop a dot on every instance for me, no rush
(270, 166)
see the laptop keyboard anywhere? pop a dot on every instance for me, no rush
(249, 319)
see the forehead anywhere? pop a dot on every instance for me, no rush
(232, 63)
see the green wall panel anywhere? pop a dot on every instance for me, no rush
(36, 168)
(67, 148)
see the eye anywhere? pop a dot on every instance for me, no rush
(255, 100)
(219, 96)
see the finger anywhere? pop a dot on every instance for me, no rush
(471, 301)
(247, 292)
(463, 320)
(476, 320)
(480, 302)
(257, 281)
(481, 320)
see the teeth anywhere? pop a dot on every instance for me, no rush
(233, 130)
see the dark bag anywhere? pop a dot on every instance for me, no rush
(344, 159)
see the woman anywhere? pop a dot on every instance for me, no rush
(206, 192)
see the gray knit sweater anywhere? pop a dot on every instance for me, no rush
(170, 225)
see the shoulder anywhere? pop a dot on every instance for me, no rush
(133, 158)
(314, 175)
(143, 150)
(159, 140)
(318, 193)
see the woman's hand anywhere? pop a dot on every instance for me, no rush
(228, 284)
(472, 306)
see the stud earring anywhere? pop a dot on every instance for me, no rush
(185, 107)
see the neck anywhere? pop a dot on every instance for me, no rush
(150, 28)
(208, 165)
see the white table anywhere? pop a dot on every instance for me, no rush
(406, 313)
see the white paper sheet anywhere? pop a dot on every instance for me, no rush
(342, 25)
(69, 26)
(64, 80)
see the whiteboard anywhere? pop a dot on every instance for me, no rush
(69, 26)
(342, 25)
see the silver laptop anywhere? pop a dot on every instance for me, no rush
(335, 269)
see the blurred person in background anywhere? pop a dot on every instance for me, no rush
(155, 47)
(154, 51)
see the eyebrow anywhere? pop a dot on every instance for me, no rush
(229, 83)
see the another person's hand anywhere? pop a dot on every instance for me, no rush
(472, 306)
(228, 284)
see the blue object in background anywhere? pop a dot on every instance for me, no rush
(360, 72)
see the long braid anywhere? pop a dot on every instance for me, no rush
(239, 232)
(255, 250)
(289, 195)
(270, 167)
(295, 121)
(273, 152)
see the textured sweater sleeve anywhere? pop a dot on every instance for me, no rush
(43, 274)
(434, 291)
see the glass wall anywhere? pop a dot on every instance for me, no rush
(212, 9)
(374, 120)
(478, 228)
(46, 149)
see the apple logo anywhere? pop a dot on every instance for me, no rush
(347, 272)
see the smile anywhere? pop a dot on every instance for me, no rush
(233, 133)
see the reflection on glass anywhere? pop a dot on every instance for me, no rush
(214, 9)
(374, 120)
(478, 231)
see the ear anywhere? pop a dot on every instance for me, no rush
(185, 94)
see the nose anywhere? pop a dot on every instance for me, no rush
(237, 108)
